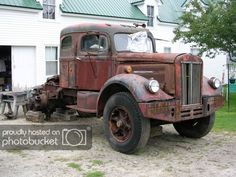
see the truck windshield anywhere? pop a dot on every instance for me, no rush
(136, 42)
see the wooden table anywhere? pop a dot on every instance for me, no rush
(13, 100)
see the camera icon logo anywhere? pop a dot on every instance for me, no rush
(74, 137)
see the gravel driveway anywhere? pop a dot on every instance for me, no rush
(167, 154)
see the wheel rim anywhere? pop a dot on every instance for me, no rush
(120, 124)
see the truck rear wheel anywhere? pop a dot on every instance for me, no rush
(195, 128)
(125, 128)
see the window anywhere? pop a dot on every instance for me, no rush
(94, 43)
(66, 47)
(167, 49)
(51, 60)
(123, 42)
(150, 14)
(49, 9)
(194, 51)
(66, 43)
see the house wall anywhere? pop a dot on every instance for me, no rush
(27, 28)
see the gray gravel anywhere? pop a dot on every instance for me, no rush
(167, 154)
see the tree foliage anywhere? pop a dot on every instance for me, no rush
(212, 28)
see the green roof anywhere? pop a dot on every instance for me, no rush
(29, 4)
(105, 8)
(170, 11)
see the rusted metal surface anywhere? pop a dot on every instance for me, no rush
(94, 73)
(147, 57)
(68, 70)
(212, 103)
(173, 111)
(178, 71)
(155, 71)
(104, 28)
(120, 124)
(89, 79)
(136, 84)
(86, 101)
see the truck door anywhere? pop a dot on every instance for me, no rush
(94, 64)
(68, 61)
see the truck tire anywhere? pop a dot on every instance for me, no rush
(125, 128)
(195, 128)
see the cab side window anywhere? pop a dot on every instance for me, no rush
(66, 43)
(66, 47)
(94, 43)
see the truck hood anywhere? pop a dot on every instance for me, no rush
(150, 57)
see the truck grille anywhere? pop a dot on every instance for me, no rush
(191, 82)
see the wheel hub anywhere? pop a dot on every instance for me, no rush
(120, 124)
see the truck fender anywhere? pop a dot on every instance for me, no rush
(132, 83)
(207, 90)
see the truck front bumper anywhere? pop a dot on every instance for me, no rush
(173, 111)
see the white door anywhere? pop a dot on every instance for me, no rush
(23, 68)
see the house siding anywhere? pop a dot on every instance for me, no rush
(21, 27)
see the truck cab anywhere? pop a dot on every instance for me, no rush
(114, 72)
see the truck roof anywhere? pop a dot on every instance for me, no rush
(107, 28)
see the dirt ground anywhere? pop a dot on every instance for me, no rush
(167, 154)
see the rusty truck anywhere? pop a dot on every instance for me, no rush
(114, 72)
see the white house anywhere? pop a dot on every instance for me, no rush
(30, 33)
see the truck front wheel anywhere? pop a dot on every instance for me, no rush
(195, 128)
(125, 128)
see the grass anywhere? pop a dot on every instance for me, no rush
(226, 120)
(97, 162)
(75, 166)
(95, 174)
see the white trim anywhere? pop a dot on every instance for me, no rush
(46, 20)
(20, 9)
(101, 17)
(138, 3)
(166, 23)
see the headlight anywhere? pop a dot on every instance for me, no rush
(153, 86)
(214, 83)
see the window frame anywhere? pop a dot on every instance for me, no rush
(165, 48)
(67, 52)
(98, 51)
(150, 15)
(122, 33)
(53, 6)
(50, 60)
(68, 46)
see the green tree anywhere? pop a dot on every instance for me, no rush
(212, 28)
